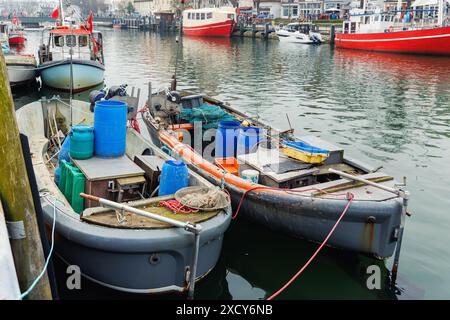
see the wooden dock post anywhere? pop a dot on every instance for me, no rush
(266, 31)
(15, 193)
(332, 34)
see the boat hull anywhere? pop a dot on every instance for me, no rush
(312, 218)
(21, 74)
(220, 29)
(17, 40)
(120, 259)
(434, 41)
(293, 37)
(86, 74)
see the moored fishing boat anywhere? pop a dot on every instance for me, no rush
(276, 188)
(72, 58)
(397, 31)
(209, 22)
(16, 32)
(21, 67)
(114, 246)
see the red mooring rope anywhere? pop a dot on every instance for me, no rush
(287, 284)
(350, 198)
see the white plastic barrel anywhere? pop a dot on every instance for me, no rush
(251, 175)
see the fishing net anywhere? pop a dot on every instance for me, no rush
(202, 198)
(209, 115)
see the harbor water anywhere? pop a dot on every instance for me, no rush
(387, 110)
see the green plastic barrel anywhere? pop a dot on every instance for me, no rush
(81, 142)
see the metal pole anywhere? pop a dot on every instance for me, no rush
(193, 271)
(371, 183)
(149, 100)
(400, 238)
(114, 205)
(71, 79)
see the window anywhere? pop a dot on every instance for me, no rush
(58, 41)
(295, 11)
(202, 15)
(71, 40)
(197, 16)
(82, 41)
(230, 16)
(285, 11)
(209, 15)
(189, 15)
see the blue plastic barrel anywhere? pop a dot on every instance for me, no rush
(110, 128)
(226, 139)
(82, 142)
(248, 138)
(65, 149)
(174, 176)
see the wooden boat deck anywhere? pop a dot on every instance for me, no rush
(108, 218)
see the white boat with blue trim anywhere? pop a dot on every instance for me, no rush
(72, 59)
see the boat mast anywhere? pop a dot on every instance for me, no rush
(399, 8)
(441, 12)
(61, 10)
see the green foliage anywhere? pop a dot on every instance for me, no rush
(130, 8)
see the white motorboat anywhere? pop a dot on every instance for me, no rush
(296, 32)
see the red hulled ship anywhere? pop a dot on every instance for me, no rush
(397, 31)
(209, 22)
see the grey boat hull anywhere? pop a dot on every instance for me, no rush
(135, 261)
(368, 227)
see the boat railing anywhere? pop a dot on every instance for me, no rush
(195, 229)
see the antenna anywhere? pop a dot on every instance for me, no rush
(173, 85)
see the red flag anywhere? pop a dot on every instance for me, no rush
(90, 24)
(55, 14)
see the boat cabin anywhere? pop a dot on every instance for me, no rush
(208, 15)
(64, 42)
(376, 21)
(305, 28)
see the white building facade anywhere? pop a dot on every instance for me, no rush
(301, 9)
(149, 7)
(270, 8)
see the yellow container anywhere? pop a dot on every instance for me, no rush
(306, 157)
